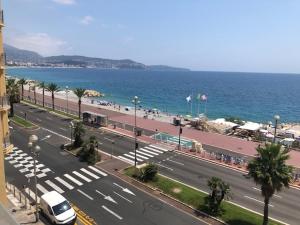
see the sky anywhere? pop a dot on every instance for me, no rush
(205, 35)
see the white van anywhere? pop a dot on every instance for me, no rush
(57, 208)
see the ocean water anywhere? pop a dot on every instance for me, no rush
(250, 96)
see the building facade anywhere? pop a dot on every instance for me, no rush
(5, 145)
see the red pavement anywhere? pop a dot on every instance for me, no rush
(232, 144)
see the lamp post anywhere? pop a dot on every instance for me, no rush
(71, 126)
(276, 117)
(67, 92)
(180, 132)
(135, 101)
(32, 144)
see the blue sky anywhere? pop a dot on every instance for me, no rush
(217, 35)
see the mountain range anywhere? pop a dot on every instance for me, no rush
(16, 56)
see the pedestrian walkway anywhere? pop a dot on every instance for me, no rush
(25, 164)
(143, 154)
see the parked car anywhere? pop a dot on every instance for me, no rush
(57, 209)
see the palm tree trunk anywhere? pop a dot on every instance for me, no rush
(34, 96)
(43, 97)
(266, 211)
(22, 92)
(79, 108)
(11, 108)
(53, 101)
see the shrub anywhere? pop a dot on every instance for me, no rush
(148, 172)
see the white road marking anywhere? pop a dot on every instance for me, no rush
(69, 186)
(112, 212)
(60, 135)
(24, 170)
(153, 149)
(18, 165)
(46, 170)
(81, 176)
(45, 138)
(38, 119)
(54, 186)
(254, 199)
(107, 197)
(126, 160)
(28, 165)
(27, 158)
(98, 171)
(130, 156)
(18, 158)
(143, 157)
(41, 175)
(73, 179)
(278, 196)
(9, 158)
(124, 189)
(13, 161)
(29, 175)
(179, 163)
(19, 151)
(169, 168)
(146, 154)
(123, 197)
(23, 154)
(39, 165)
(159, 148)
(145, 150)
(42, 189)
(89, 173)
(24, 161)
(86, 195)
(63, 129)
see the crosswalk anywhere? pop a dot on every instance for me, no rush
(25, 164)
(143, 154)
(66, 182)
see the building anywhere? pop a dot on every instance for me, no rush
(5, 145)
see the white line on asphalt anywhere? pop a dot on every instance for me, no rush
(81, 176)
(29, 175)
(179, 163)
(13, 161)
(98, 171)
(126, 160)
(23, 154)
(145, 150)
(164, 166)
(123, 197)
(18, 165)
(159, 148)
(278, 196)
(40, 165)
(143, 157)
(73, 179)
(86, 195)
(89, 173)
(19, 151)
(41, 188)
(153, 149)
(38, 119)
(112, 212)
(41, 175)
(54, 186)
(254, 199)
(130, 156)
(9, 158)
(52, 132)
(63, 129)
(69, 186)
(47, 137)
(138, 151)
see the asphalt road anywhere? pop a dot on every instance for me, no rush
(284, 205)
(103, 197)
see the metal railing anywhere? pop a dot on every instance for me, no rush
(4, 101)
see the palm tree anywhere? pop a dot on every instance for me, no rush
(12, 89)
(34, 92)
(52, 87)
(22, 82)
(43, 86)
(270, 171)
(79, 92)
(78, 133)
(219, 191)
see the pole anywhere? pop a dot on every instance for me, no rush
(71, 135)
(135, 133)
(274, 139)
(67, 91)
(179, 136)
(35, 183)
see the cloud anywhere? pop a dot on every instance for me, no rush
(86, 20)
(42, 43)
(65, 2)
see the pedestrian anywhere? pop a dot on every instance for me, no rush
(25, 116)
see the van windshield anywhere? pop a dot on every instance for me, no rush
(61, 208)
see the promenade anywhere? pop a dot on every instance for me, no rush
(218, 141)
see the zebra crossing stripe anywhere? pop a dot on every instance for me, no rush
(24, 170)
(40, 165)
(153, 149)
(69, 186)
(18, 165)
(81, 176)
(18, 158)
(145, 150)
(19, 151)
(9, 158)
(138, 151)
(27, 158)
(130, 156)
(13, 161)
(159, 148)
(89, 173)
(98, 171)
(143, 157)
(15, 148)
(127, 160)
(41, 175)
(54, 186)
(41, 188)
(23, 154)
(29, 175)
(73, 179)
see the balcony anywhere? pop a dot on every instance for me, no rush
(4, 102)
(7, 145)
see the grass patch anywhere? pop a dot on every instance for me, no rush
(232, 214)
(22, 122)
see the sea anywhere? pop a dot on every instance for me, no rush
(249, 96)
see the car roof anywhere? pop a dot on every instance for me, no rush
(53, 198)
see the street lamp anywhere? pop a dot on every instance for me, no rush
(67, 91)
(32, 144)
(180, 132)
(71, 126)
(135, 101)
(276, 117)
